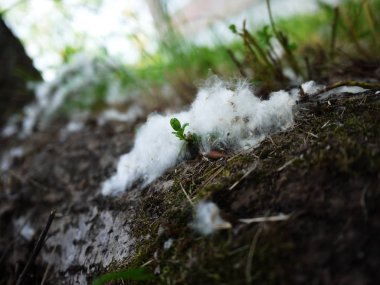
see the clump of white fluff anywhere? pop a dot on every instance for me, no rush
(207, 218)
(220, 115)
(311, 87)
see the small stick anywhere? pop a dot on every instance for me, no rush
(280, 217)
(311, 134)
(249, 171)
(364, 85)
(286, 164)
(271, 140)
(363, 202)
(37, 248)
(370, 20)
(352, 34)
(187, 195)
(308, 68)
(237, 63)
(333, 32)
(251, 252)
(283, 41)
(213, 176)
(325, 124)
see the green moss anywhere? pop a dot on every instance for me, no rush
(346, 147)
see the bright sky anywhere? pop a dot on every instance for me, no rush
(123, 28)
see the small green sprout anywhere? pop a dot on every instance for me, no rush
(233, 28)
(191, 139)
(179, 130)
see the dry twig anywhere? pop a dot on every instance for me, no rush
(278, 218)
(37, 248)
(249, 171)
(251, 252)
(187, 195)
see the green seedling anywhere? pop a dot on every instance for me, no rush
(179, 130)
(191, 139)
(233, 29)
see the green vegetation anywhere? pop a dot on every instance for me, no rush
(325, 150)
(273, 56)
(328, 158)
(191, 139)
(287, 51)
(179, 130)
(324, 171)
(136, 274)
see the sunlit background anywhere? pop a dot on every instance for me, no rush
(52, 31)
(101, 59)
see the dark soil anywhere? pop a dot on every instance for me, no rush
(324, 173)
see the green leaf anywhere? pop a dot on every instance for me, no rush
(184, 127)
(232, 28)
(264, 35)
(176, 125)
(129, 274)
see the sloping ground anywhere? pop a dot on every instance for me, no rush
(324, 173)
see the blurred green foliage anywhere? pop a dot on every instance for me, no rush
(135, 274)
(299, 44)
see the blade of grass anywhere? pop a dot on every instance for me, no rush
(284, 43)
(237, 63)
(333, 32)
(136, 274)
(350, 29)
(370, 20)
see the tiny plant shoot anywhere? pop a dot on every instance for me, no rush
(191, 139)
(179, 132)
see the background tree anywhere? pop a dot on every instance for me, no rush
(16, 71)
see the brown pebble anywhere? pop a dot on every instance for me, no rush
(214, 154)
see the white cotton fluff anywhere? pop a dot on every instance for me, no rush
(311, 87)
(168, 244)
(10, 127)
(76, 83)
(207, 218)
(24, 228)
(9, 157)
(343, 89)
(222, 117)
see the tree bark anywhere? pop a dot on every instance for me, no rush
(16, 71)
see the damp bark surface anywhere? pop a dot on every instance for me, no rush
(324, 173)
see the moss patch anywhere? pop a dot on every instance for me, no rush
(324, 172)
